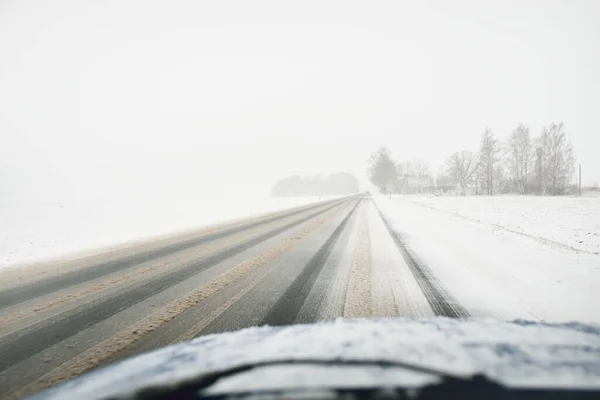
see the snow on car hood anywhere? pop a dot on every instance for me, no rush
(519, 353)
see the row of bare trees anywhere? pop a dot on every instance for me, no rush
(521, 163)
(391, 176)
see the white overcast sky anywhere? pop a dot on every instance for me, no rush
(141, 98)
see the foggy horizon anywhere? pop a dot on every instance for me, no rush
(149, 98)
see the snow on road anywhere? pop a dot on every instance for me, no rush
(496, 273)
(395, 290)
(31, 231)
(569, 221)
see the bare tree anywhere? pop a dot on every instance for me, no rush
(382, 170)
(405, 172)
(420, 168)
(443, 178)
(500, 182)
(519, 156)
(489, 157)
(556, 159)
(407, 168)
(401, 181)
(462, 167)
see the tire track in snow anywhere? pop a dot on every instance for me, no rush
(539, 239)
(253, 306)
(287, 308)
(358, 302)
(395, 289)
(18, 346)
(441, 302)
(325, 300)
(19, 294)
(143, 272)
(95, 355)
(335, 297)
(199, 328)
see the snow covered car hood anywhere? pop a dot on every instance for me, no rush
(519, 353)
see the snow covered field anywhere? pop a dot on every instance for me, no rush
(33, 231)
(496, 273)
(568, 221)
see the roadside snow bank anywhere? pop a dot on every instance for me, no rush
(568, 221)
(34, 231)
(495, 273)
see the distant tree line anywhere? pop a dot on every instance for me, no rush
(341, 183)
(518, 164)
(391, 176)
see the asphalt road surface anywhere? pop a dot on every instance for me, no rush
(311, 263)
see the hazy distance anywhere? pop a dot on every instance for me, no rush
(176, 99)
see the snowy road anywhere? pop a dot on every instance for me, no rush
(353, 257)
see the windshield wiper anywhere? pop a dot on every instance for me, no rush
(190, 388)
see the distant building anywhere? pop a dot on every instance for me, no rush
(412, 184)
